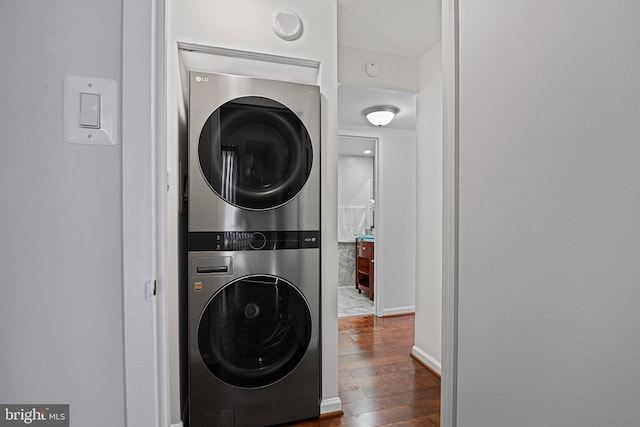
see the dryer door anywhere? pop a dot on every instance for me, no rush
(255, 153)
(254, 331)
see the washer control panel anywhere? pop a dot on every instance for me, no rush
(253, 240)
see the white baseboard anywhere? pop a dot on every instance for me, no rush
(177, 424)
(333, 404)
(399, 310)
(426, 359)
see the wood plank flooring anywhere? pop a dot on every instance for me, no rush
(380, 384)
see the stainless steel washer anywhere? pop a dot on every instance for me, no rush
(254, 328)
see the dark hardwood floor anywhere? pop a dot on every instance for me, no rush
(380, 383)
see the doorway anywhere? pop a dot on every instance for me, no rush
(393, 235)
(161, 172)
(357, 196)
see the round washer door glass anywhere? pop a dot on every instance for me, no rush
(254, 331)
(255, 153)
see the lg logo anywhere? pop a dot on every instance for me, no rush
(202, 79)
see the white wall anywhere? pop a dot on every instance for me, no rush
(549, 242)
(61, 299)
(246, 25)
(428, 326)
(395, 218)
(355, 188)
(355, 176)
(395, 72)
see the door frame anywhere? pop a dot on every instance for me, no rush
(142, 396)
(143, 134)
(450, 135)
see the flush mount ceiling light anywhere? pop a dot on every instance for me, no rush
(380, 115)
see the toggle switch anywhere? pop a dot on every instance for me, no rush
(90, 110)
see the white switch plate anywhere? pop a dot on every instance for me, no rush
(74, 133)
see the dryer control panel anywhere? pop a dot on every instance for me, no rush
(253, 240)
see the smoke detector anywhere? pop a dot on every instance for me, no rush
(287, 24)
(371, 69)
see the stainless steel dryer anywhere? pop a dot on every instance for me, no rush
(254, 327)
(254, 148)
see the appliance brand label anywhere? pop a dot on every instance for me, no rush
(34, 415)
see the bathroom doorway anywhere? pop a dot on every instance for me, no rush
(357, 196)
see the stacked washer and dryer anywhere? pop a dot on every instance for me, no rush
(253, 304)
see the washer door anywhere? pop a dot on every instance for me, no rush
(254, 331)
(255, 153)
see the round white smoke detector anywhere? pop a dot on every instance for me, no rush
(371, 69)
(287, 24)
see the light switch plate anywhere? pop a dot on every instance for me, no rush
(74, 132)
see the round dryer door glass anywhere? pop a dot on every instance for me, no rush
(254, 331)
(255, 153)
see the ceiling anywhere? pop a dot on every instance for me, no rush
(399, 27)
(396, 27)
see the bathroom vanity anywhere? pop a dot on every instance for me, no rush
(365, 258)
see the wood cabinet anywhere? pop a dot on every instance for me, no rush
(365, 252)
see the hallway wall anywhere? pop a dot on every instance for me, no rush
(61, 296)
(428, 330)
(549, 236)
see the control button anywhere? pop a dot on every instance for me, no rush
(258, 241)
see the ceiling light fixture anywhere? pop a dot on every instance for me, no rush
(380, 115)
